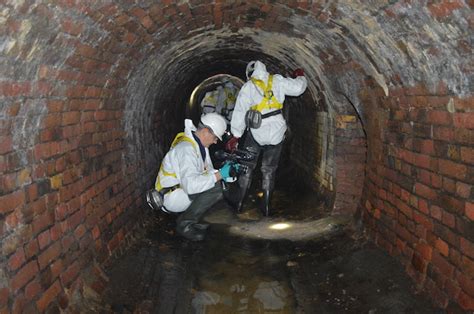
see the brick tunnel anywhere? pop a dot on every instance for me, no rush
(92, 93)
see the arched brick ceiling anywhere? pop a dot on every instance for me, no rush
(72, 48)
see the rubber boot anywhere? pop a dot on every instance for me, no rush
(189, 231)
(244, 184)
(267, 194)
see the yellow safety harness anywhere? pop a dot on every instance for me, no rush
(269, 100)
(180, 137)
(230, 98)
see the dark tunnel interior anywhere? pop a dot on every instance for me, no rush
(93, 92)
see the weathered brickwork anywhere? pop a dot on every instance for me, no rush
(419, 190)
(91, 93)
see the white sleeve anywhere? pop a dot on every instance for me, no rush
(242, 104)
(192, 179)
(293, 86)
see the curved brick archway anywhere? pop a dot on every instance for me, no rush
(92, 91)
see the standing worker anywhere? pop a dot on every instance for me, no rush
(187, 181)
(226, 100)
(210, 100)
(259, 108)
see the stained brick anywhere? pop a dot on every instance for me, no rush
(17, 259)
(25, 274)
(470, 210)
(11, 201)
(442, 264)
(49, 296)
(452, 169)
(442, 247)
(49, 255)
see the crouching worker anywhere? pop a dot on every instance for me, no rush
(187, 183)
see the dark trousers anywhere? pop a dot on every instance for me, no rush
(270, 158)
(201, 203)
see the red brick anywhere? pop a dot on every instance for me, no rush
(9, 202)
(6, 144)
(442, 264)
(437, 117)
(467, 155)
(452, 289)
(427, 147)
(463, 189)
(17, 259)
(71, 28)
(48, 296)
(466, 302)
(67, 242)
(24, 275)
(444, 8)
(19, 305)
(76, 218)
(423, 220)
(468, 266)
(470, 210)
(423, 206)
(452, 204)
(44, 239)
(448, 219)
(419, 263)
(56, 269)
(95, 232)
(425, 191)
(70, 274)
(56, 232)
(50, 254)
(32, 290)
(464, 120)
(442, 247)
(425, 250)
(443, 133)
(466, 284)
(435, 212)
(449, 185)
(72, 117)
(42, 222)
(4, 294)
(452, 169)
(31, 248)
(467, 247)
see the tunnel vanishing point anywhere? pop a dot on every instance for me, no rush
(92, 93)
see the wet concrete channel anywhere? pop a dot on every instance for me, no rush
(243, 266)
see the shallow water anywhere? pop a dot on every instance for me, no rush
(231, 272)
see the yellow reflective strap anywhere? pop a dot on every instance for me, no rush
(180, 137)
(269, 101)
(230, 98)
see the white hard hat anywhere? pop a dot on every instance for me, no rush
(215, 122)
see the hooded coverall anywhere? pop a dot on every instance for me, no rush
(220, 100)
(268, 138)
(185, 167)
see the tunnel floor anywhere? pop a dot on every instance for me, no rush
(231, 272)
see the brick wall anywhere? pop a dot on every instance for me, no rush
(91, 92)
(419, 189)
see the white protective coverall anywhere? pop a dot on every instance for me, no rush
(273, 128)
(226, 101)
(209, 102)
(184, 165)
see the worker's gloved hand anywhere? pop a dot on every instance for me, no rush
(297, 72)
(225, 170)
(234, 169)
(232, 144)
